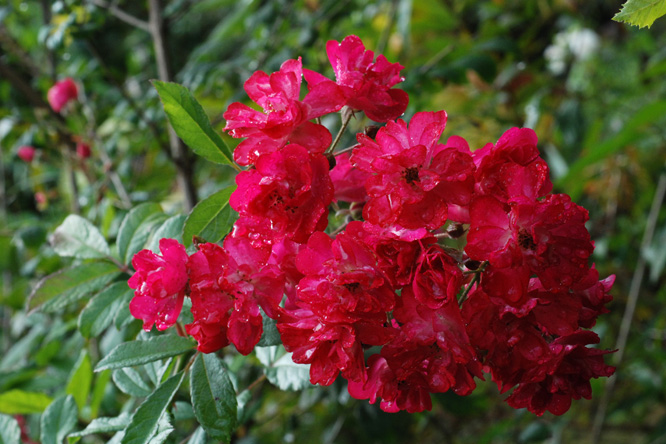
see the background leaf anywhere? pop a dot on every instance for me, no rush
(145, 421)
(10, 433)
(71, 284)
(102, 309)
(80, 380)
(104, 425)
(129, 381)
(58, 420)
(213, 397)
(140, 352)
(135, 229)
(190, 122)
(641, 12)
(211, 219)
(77, 237)
(172, 228)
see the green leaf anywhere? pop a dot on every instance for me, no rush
(129, 381)
(104, 425)
(80, 380)
(99, 389)
(198, 437)
(270, 335)
(19, 402)
(64, 287)
(58, 420)
(140, 352)
(164, 429)
(188, 119)
(172, 228)
(10, 432)
(145, 421)
(213, 397)
(211, 219)
(287, 375)
(597, 151)
(76, 237)
(641, 12)
(102, 308)
(135, 229)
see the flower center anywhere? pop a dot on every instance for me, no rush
(525, 240)
(411, 175)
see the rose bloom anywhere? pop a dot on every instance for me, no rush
(62, 93)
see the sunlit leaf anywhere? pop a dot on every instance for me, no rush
(76, 237)
(641, 12)
(211, 219)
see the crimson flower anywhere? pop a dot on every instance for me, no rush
(284, 117)
(367, 83)
(62, 93)
(83, 150)
(413, 175)
(159, 283)
(340, 306)
(289, 189)
(228, 285)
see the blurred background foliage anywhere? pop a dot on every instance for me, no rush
(593, 89)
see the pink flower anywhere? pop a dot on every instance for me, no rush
(348, 181)
(548, 237)
(568, 375)
(340, 306)
(26, 153)
(82, 150)
(437, 278)
(413, 175)
(284, 117)
(366, 83)
(289, 189)
(512, 169)
(228, 285)
(160, 283)
(62, 93)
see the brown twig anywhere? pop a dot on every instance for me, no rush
(122, 15)
(183, 162)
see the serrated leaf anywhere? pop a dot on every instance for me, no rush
(129, 381)
(213, 397)
(80, 380)
(67, 286)
(145, 421)
(102, 308)
(211, 219)
(19, 402)
(58, 420)
(641, 12)
(287, 375)
(131, 236)
(189, 120)
(10, 432)
(77, 237)
(164, 429)
(172, 228)
(133, 353)
(104, 425)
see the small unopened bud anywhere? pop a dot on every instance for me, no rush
(331, 160)
(83, 150)
(371, 131)
(26, 153)
(198, 240)
(472, 264)
(455, 230)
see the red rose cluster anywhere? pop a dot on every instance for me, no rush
(391, 301)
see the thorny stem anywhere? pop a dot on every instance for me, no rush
(475, 279)
(346, 117)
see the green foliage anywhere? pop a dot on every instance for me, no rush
(188, 119)
(211, 219)
(213, 397)
(141, 352)
(641, 12)
(70, 226)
